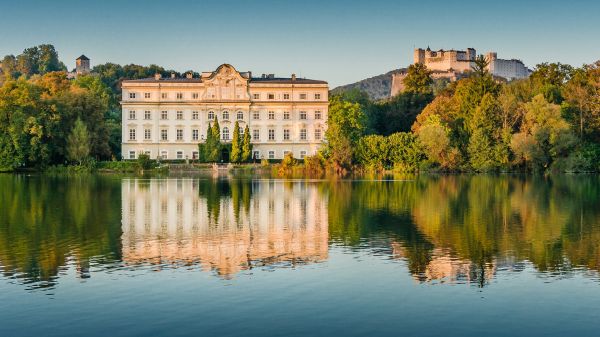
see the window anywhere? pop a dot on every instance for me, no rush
(317, 96)
(179, 134)
(302, 114)
(225, 133)
(271, 114)
(147, 153)
(164, 135)
(271, 154)
(318, 114)
(286, 96)
(179, 154)
(131, 114)
(195, 95)
(164, 115)
(194, 115)
(147, 115)
(164, 95)
(240, 115)
(256, 154)
(302, 154)
(225, 115)
(286, 115)
(131, 154)
(255, 96)
(302, 96)
(286, 134)
(271, 134)
(256, 134)
(147, 134)
(211, 115)
(270, 96)
(180, 115)
(317, 134)
(302, 134)
(131, 134)
(256, 115)
(285, 153)
(195, 155)
(195, 134)
(146, 95)
(164, 154)
(179, 95)
(132, 95)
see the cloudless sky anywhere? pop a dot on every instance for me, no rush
(338, 41)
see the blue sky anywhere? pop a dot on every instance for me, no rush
(337, 41)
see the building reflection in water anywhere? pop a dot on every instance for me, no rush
(224, 225)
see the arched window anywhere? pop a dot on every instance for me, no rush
(211, 115)
(225, 115)
(240, 115)
(225, 133)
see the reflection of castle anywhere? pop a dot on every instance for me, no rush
(442, 267)
(242, 225)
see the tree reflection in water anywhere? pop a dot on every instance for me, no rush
(445, 228)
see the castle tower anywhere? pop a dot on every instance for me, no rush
(471, 54)
(419, 56)
(82, 65)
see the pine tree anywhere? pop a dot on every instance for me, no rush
(214, 148)
(78, 142)
(236, 150)
(246, 146)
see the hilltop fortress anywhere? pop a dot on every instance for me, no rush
(454, 64)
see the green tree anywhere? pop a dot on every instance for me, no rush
(236, 144)
(485, 137)
(418, 79)
(246, 145)
(346, 124)
(78, 143)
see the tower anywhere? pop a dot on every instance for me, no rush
(82, 65)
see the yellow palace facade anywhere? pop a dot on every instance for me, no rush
(168, 117)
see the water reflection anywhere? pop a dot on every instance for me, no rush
(453, 229)
(226, 226)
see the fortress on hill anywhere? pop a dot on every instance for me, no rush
(454, 64)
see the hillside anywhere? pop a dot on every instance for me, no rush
(377, 87)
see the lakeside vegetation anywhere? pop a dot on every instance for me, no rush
(549, 122)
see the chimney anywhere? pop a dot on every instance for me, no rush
(157, 76)
(293, 77)
(172, 75)
(189, 75)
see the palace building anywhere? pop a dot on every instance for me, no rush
(168, 117)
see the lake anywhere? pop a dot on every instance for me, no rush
(226, 256)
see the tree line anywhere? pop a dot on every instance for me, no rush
(547, 122)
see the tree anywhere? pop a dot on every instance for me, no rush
(485, 135)
(346, 124)
(236, 144)
(78, 143)
(212, 146)
(246, 146)
(418, 79)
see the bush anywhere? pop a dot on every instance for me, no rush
(144, 162)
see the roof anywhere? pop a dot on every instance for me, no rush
(166, 80)
(279, 80)
(82, 57)
(282, 80)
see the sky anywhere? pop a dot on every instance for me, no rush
(337, 41)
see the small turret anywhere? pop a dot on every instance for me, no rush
(82, 65)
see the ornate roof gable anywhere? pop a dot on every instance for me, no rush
(226, 83)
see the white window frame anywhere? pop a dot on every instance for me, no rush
(179, 134)
(132, 134)
(271, 134)
(179, 115)
(303, 134)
